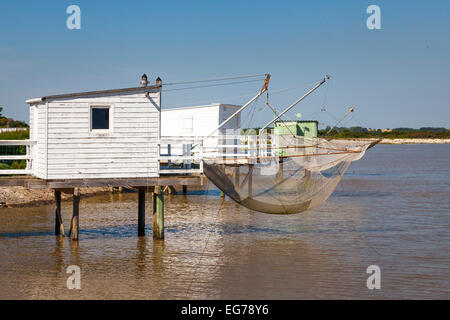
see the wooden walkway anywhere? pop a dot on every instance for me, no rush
(35, 183)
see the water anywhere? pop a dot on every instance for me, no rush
(391, 210)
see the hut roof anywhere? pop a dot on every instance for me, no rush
(93, 93)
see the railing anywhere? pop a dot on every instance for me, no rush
(12, 151)
(181, 154)
(185, 154)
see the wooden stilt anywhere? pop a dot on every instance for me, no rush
(250, 181)
(74, 224)
(184, 189)
(141, 212)
(279, 176)
(306, 175)
(172, 190)
(59, 228)
(158, 213)
(153, 195)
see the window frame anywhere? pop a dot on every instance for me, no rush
(110, 107)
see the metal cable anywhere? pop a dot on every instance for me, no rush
(216, 79)
(214, 85)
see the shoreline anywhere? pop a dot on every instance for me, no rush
(19, 197)
(400, 140)
(415, 141)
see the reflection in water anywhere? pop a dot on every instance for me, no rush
(390, 210)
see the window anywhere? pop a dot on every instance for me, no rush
(100, 118)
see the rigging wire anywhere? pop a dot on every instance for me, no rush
(325, 99)
(209, 101)
(215, 79)
(272, 92)
(214, 85)
(292, 88)
(250, 113)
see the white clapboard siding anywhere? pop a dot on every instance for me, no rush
(33, 148)
(68, 149)
(41, 145)
(198, 121)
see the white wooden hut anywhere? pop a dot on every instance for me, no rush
(99, 134)
(198, 121)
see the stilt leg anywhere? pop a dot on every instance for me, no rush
(59, 228)
(158, 213)
(74, 225)
(279, 176)
(141, 213)
(250, 181)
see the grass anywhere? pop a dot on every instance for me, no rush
(13, 150)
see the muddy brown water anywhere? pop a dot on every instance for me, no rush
(392, 210)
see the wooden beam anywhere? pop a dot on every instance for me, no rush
(65, 190)
(171, 190)
(146, 188)
(141, 212)
(119, 182)
(158, 213)
(14, 181)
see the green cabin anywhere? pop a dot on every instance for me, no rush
(306, 128)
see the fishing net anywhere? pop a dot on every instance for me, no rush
(280, 174)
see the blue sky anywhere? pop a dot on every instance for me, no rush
(394, 77)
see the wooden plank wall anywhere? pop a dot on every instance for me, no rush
(129, 150)
(40, 134)
(204, 120)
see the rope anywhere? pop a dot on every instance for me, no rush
(251, 113)
(215, 79)
(194, 103)
(292, 88)
(214, 85)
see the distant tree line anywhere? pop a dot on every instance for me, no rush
(10, 123)
(396, 133)
(361, 132)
